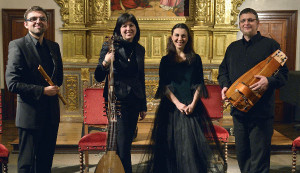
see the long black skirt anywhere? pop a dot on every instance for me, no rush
(179, 142)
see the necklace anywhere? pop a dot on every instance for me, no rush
(130, 56)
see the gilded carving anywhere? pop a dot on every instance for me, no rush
(234, 11)
(203, 11)
(220, 11)
(214, 75)
(98, 10)
(71, 92)
(64, 10)
(85, 74)
(151, 87)
(77, 11)
(156, 47)
(144, 43)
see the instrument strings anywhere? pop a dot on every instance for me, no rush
(112, 104)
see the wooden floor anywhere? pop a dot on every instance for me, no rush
(70, 133)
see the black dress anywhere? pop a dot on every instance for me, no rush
(178, 142)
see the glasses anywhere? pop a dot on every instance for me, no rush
(34, 19)
(249, 20)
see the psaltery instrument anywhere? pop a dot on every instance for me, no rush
(48, 79)
(240, 95)
(110, 161)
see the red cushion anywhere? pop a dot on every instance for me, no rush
(214, 102)
(296, 142)
(93, 106)
(221, 132)
(93, 141)
(4, 153)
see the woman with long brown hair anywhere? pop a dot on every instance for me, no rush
(178, 141)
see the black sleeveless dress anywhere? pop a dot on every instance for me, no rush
(178, 142)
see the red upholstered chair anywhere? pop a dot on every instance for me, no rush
(295, 148)
(4, 153)
(94, 115)
(214, 107)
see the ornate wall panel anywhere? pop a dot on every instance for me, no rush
(156, 47)
(221, 41)
(88, 22)
(202, 44)
(74, 46)
(72, 93)
(95, 41)
(144, 42)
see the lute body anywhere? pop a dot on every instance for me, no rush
(240, 95)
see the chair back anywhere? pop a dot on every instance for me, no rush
(0, 113)
(93, 107)
(213, 103)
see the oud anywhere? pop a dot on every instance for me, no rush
(110, 161)
(240, 95)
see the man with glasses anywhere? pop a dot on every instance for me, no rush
(38, 113)
(253, 130)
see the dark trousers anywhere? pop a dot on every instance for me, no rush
(253, 143)
(36, 149)
(126, 127)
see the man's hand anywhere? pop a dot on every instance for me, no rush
(143, 115)
(260, 86)
(223, 93)
(51, 90)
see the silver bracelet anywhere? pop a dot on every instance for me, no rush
(106, 63)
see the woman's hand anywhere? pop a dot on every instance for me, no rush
(108, 58)
(181, 107)
(189, 109)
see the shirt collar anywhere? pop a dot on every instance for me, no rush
(36, 41)
(253, 39)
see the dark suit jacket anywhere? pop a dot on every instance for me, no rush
(124, 84)
(34, 109)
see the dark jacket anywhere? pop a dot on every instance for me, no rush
(34, 109)
(126, 79)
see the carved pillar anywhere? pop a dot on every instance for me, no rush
(204, 12)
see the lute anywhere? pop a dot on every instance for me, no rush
(110, 161)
